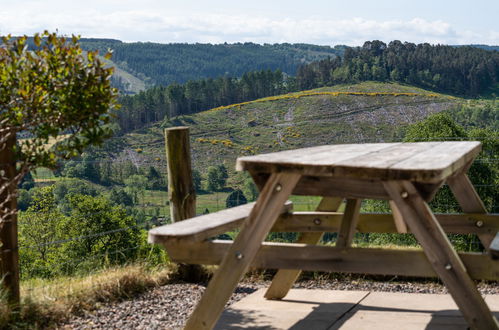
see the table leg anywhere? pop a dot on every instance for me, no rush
(285, 278)
(398, 219)
(254, 230)
(348, 223)
(470, 201)
(441, 254)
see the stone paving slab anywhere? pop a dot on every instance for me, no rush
(302, 309)
(333, 309)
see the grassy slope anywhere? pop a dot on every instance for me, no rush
(135, 84)
(295, 120)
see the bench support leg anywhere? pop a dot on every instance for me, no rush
(254, 230)
(470, 201)
(285, 278)
(441, 254)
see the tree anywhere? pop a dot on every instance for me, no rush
(27, 182)
(136, 185)
(484, 175)
(235, 198)
(437, 127)
(65, 188)
(38, 227)
(196, 180)
(212, 177)
(52, 92)
(120, 197)
(104, 228)
(250, 189)
(216, 177)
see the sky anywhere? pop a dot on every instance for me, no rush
(333, 22)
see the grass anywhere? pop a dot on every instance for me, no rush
(213, 202)
(47, 302)
(365, 112)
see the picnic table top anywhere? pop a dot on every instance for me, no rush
(414, 161)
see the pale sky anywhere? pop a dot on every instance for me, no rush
(323, 22)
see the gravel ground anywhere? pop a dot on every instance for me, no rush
(170, 305)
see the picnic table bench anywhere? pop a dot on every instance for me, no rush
(406, 174)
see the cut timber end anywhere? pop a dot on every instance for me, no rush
(177, 128)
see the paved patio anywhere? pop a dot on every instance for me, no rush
(356, 310)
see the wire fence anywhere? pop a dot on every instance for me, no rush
(127, 195)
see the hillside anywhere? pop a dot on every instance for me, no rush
(126, 82)
(167, 63)
(365, 112)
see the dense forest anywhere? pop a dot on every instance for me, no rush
(162, 64)
(159, 102)
(464, 71)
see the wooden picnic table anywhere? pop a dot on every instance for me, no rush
(406, 174)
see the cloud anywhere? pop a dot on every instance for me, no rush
(144, 25)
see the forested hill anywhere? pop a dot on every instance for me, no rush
(486, 47)
(162, 64)
(464, 71)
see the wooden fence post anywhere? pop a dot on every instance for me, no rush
(9, 253)
(181, 192)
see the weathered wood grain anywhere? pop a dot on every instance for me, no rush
(181, 192)
(329, 259)
(421, 161)
(348, 223)
(494, 247)
(470, 201)
(398, 219)
(473, 223)
(285, 278)
(242, 251)
(207, 225)
(441, 255)
(340, 187)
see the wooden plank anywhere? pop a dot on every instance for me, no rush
(470, 201)
(340, 187)
(446, 157)
(383, 223)
(412, 263)
(348, 223)
(494, 247)
(299, 159)
(285, 278)
(242, 251)
(207, 225)
(428, 162)
(387, 157)
(441, 255)
(181, 192)
(398, 219)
